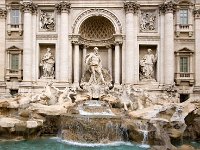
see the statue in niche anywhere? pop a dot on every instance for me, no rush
(95, 78)
(148, 21)
(47, 21)
(47, 63)
(147, 65)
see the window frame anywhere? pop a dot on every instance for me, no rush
(184, 20)
(12, 72)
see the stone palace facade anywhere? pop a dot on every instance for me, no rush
(153, 42)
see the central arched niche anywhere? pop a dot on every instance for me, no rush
(97, 28)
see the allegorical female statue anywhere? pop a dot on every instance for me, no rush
(147, 65)
(47, 63)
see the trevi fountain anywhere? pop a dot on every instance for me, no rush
(98, 113)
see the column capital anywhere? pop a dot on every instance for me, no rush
(109, 46)
(85, 46)
(117, 43)
(76, 42)
(63, 7)
(131, 7)
(168, 7)
(29, 7)
(3, 13)
(197, 13)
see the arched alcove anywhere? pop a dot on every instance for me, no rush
(97, 28)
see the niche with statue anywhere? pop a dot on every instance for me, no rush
(148, 62)
(47, 61)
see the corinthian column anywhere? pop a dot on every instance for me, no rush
(28, 8)
(63, 8)
(168, 9)
(117, 63)
(132, 52)
(2, 43)
(76, 63)
(197, 47)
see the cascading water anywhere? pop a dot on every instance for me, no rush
(95, 123)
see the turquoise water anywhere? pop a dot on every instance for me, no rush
(57, 144)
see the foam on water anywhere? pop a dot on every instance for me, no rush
(85, 113)
(116, 143)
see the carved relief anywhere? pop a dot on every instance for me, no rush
(47, 21)
(148, 21)
(47, 64)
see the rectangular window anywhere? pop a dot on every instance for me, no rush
(14, 16)
(184, 64)
(14, 62)
(184, 16)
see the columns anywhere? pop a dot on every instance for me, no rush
(83, 60)
(132, 52)
(197, 47)
(70, 62)
(169, 64)
(110, 59)
(117, 63)
(160, 51)
(2, 43)
(34, 48)
(28, 8)
(76, 63)
(63, 8)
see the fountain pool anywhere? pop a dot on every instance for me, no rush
(58, 144)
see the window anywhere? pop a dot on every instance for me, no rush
(184, 74)
(184, 16)
(14, 62)
(15, 18)
(184, 64)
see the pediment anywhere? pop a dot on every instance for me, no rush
(184, 50)
(13, 48)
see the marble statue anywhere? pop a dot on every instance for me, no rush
(47, 63)
(147, 65)
(95, 73)
(93, 60)
(47, 21)
(95, 78)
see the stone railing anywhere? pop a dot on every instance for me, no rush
(186, 28)
(14, 73)
(184, 77)
(14, 28)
